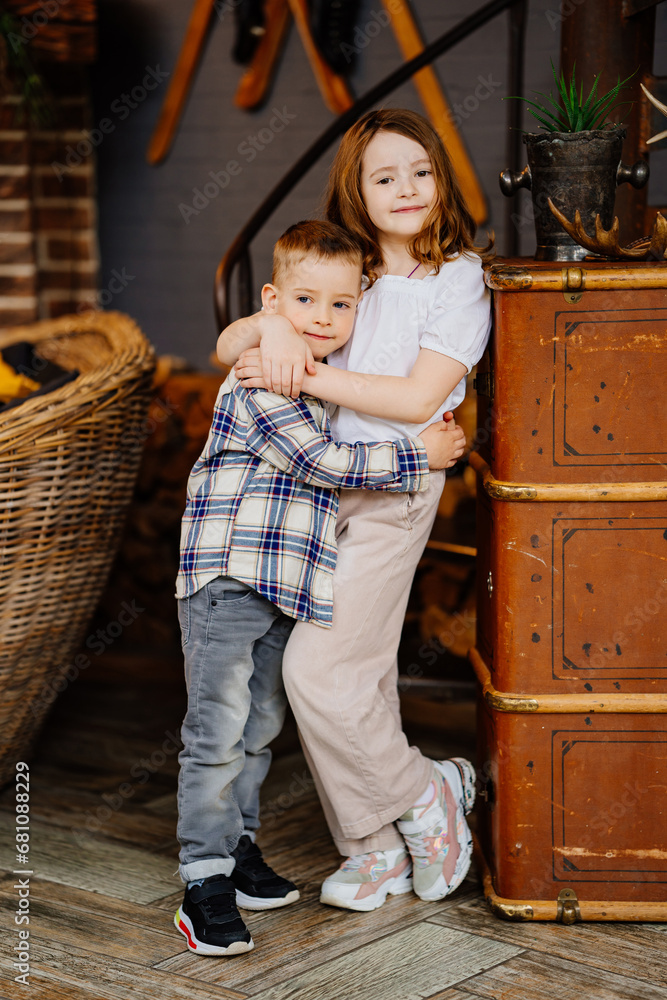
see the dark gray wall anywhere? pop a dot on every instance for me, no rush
(171, 259)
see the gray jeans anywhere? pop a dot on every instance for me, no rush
(233, 641)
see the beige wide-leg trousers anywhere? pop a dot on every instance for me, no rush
(342, 682)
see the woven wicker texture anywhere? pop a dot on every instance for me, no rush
(68, 462)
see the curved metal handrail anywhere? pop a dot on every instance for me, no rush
(238, 251)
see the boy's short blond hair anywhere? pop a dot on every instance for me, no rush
(320, 240)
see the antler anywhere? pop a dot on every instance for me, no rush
(661, 107)
(658, 245)
(606, 241)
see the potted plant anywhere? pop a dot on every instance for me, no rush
(575, 159)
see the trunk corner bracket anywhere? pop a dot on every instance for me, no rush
(568, 911)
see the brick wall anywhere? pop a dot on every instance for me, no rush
(18, 271)
(49, 258)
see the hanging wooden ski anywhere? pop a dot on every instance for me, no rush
(435, 104)
(332, 86)
(255, 82)
(181, 81)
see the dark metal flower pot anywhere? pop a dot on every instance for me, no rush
(577, 170)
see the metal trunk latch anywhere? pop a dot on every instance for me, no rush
(574, 284)
(483, 382)
(489, 583)
(568, 911)
(488, 793)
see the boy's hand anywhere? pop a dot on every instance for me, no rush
(280, 361)
(445, 442)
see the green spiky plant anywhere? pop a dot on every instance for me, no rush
(573, 113)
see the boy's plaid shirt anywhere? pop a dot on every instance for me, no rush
(263, 497)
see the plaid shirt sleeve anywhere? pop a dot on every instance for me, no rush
(284, 433)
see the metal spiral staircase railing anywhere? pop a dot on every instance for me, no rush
(237, 256)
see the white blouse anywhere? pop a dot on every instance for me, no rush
(447, 312)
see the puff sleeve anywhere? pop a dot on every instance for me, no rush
(458, 322)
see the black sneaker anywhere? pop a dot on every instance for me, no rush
(257, 886)
(210, 921)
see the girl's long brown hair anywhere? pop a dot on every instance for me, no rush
(449, 228)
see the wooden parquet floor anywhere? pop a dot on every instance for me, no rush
(104, 889)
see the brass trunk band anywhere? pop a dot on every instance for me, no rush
(556, 704)
(563, 909)
(565, 492)
(512, 278)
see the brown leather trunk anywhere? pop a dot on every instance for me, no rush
(571, 654)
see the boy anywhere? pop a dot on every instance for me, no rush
(258, 551)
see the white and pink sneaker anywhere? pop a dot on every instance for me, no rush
(364, 881)
(436, 832)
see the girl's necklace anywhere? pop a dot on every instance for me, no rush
(414, 269)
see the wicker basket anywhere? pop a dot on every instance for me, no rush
(68, 462)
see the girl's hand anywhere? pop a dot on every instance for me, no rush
(445, 442)
(248, 370)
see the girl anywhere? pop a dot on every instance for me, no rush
(422, 324)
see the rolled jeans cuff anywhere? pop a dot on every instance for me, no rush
(206, 868)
